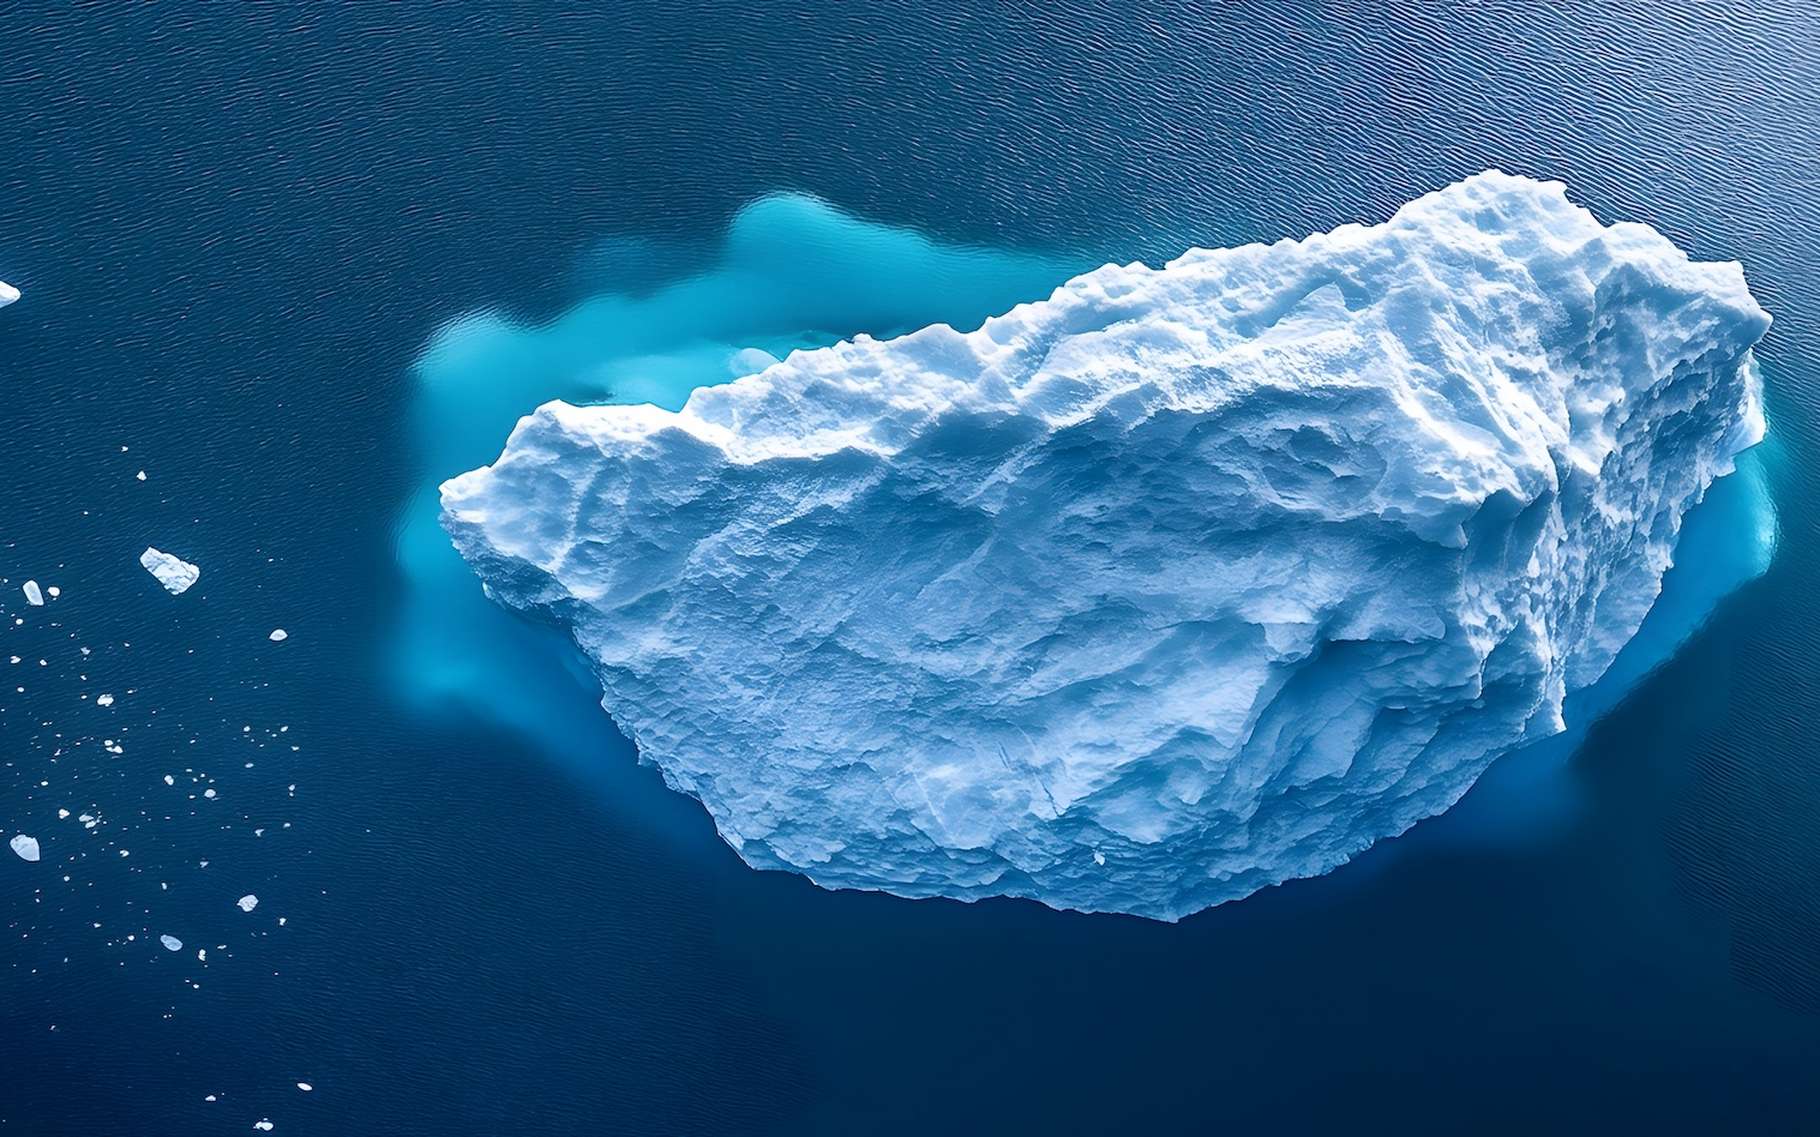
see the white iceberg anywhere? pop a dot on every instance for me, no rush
(279, 635)
(26, 847)
(8, 294)
(248, 902)
(33, 595)
(175, 573)
(1174, 585)
(171, 943)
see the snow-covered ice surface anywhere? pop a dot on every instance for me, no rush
(175, 573)
(1172, 586)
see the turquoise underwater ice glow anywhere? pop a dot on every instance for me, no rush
(792, 274)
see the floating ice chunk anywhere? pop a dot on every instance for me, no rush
(169, 781)
(749, 361)
(175, 573)
(171, 943)
(248, 902)
(278, 635)
(8, 294)
(263, 1126)
(104, 700)
(305, 1087)
(1225, 570)
(140, 475)
(33, 596)
(26, 847)
(52, 591)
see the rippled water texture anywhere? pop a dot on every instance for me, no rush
(237, 227)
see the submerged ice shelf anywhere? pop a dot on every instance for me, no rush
(1177, 584)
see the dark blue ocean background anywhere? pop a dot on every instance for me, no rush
(299, 263)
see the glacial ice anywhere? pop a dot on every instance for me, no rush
(25, 847)
(175, 573)
(8, 294)
(1177, 584)
(33, 594)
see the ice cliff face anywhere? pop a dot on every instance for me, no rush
(1174, 585)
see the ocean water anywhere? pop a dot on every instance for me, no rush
(297, 265)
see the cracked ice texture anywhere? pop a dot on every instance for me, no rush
(1177, 584)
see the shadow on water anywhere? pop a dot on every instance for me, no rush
(792, 272)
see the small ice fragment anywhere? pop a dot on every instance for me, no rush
(52, 591)
(1099, 858)
(248, 902)
(26, 847)
(140, 475)
(263, 1126)
(211, 1097)
(175, 573)
(202, 955)
(278, 635)
(8, 294)
(32, 595)
(305, 1087)
(62, 814)
(104, 700)
(171, 943)
(749, 361)
(209, 793)
(169, 781)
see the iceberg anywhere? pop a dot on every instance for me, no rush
(1177, 584)
(33, 594)
(8, 294)
(175, 573)
(26, 847)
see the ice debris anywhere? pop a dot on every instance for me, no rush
(175, 573)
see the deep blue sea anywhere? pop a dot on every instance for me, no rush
(300, 263)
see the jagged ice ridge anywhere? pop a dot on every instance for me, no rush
(1177, 584)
